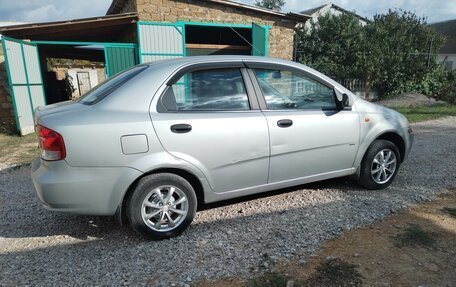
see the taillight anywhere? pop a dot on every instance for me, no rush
(51, 144)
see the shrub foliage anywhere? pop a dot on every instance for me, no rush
(394, 51)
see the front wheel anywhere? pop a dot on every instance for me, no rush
(379, 165)
(162, 205)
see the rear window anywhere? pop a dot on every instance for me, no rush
(103, 90)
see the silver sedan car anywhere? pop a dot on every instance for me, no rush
(155, 142)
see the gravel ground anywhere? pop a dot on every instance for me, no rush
(42, 248)
(410, 100)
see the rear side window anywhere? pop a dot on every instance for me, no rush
(103, 90)
(208, 90)
(284, 90)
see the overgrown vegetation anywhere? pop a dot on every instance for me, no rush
(414, 235)
(437, 83)
(394, 53)
(424, 113)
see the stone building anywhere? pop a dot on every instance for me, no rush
(132, 32)
(280, 26)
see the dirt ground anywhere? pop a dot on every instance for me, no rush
(16, 150)
(416, 247)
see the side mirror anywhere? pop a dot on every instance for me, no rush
(345, 101)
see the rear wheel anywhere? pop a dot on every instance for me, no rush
(380, 165)
(162, 205)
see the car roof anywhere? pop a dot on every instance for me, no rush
(178, 62)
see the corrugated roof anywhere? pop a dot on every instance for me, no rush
(117, 5)
(447, 29)
(94, 27)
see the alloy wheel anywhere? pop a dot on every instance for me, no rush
(383, 166)
(164, 208)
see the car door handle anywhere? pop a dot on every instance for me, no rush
(181, 128)
(284, 123)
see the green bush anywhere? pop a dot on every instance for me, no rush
(447, 92)
(437, 83)
(432, 82)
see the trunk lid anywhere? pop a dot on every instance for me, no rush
(62, 107)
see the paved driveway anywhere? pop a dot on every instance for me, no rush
(38, 247)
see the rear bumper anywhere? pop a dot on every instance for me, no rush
(81, 190)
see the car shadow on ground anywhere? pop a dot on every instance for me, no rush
(342, 183)
(33, 220)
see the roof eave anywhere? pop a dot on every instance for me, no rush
(133, 16)
(315, 9)
(291, 16)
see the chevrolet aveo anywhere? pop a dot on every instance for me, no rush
(157, 141)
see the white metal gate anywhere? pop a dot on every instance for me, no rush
(25, 81)
(160, 41)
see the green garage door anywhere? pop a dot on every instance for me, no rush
(119, 59)
(259, 40)
(24, 79)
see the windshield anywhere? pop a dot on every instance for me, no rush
(103, 90)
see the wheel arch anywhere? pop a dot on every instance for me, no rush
(190, 177)
(396, 139)
(389, 135)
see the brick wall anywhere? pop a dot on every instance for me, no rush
(280, 36)
(7, 121)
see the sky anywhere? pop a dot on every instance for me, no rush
(54, 10)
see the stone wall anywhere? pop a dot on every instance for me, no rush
(280, 36)
(7, 121)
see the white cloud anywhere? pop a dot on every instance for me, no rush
(51, 10)
(434, 10)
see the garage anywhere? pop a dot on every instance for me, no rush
(131, 33)
(32, 50)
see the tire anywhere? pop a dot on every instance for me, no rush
(376, 173)
(154, 214)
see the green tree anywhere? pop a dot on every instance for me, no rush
(331, 45)
(394, 49)
(270, 4)
(408, 49)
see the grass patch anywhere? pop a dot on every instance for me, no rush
(269, 279)
(334, 273)
(16, 150)
(451, 211)
(413, 236)
(424, 113)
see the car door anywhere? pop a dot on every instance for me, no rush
(210, 117)
(309, 134)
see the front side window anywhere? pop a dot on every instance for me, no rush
(289, 90)
(208, 90)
